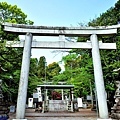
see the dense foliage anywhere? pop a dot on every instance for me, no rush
(10, 58)
(110, 58)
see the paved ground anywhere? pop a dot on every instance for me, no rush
(83, 114)
(62, 118)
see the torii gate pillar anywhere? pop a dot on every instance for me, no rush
(22, 92)
(98, 75)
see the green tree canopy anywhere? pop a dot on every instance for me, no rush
(10, 58)
(42, 68)
(53, 70)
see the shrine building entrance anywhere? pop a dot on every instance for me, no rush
(56, 97)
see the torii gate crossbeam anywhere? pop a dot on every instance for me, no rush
(61, 45)
(93, 32)
(22, 29)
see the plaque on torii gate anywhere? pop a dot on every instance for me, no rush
(93, 32)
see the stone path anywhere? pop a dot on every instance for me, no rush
(83, 114)
(62, 118)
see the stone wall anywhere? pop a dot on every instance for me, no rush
(57, 105)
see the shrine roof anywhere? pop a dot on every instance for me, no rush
(56, 86)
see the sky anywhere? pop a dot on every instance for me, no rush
(59, 13)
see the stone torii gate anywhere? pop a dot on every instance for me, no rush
(93, 32)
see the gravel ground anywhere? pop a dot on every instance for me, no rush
(60, 118)
(81, 115)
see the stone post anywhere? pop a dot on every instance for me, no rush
(98, 75)
(23, 84)
(116, 108)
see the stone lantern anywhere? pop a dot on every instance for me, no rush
(115, 113)
(1, 95)
(3, 105)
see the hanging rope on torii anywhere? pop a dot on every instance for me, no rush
(62, 32)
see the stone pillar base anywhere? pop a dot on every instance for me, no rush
(19, 119)
(104, 119)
